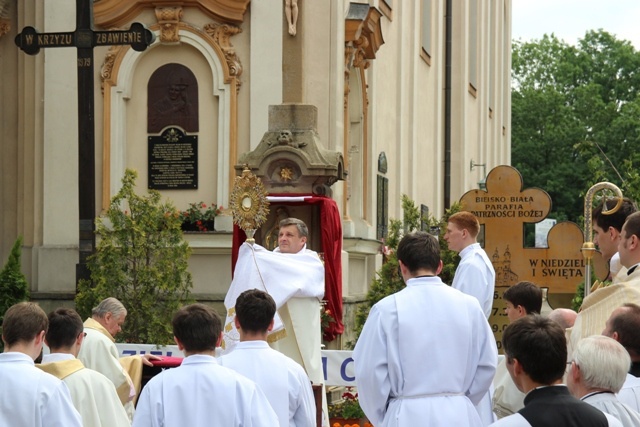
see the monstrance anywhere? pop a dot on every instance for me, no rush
(248, 202)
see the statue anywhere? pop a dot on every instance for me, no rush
(291, 11)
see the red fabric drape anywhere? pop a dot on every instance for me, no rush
(331, 237)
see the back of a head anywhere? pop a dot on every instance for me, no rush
(632, 225)
(419, 250)
(603, 362)
(616, 219)
(466, 221)
(540, 347)
(198, 327)
(303, 231)
(565, 317)
(109, 305)
(627, 326)
(64, 327)
(255, 310)
(525, 294)
(23, 322)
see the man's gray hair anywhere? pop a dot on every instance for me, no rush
(603, 362)
(109, 305)
(300, 225)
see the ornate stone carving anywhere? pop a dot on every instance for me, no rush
(116, 13)
(5, 22)
(221, 34)
(107, 66)
(290, 158)
(5, 27)
(169, 20)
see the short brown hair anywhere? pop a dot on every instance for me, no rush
(23, 322)
(198, 327)
(64, 327)
(466, 221)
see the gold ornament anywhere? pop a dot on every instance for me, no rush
(248, 202)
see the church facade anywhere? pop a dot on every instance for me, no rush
(413, 95)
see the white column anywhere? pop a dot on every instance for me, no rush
(266, 64)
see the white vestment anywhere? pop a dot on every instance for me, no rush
(99, 352)
(607, 403)
(296, 283)
(30, 397)
(475, 276)
(282, 380)
(93, 395)
(630, 393)
(426, 356)
(201, 393)
(507, 399)
(598, 306)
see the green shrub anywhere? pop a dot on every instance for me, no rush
(13, 284)
(141, 259)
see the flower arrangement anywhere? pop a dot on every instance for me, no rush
(199, 216)
(348, 407)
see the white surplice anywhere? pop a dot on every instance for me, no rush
(609, 404)
(93, 395)
(99, 352)
(475, 276)
(630, 393)
(282, 380)
(30, 397)
(426, 356)
(201, 393)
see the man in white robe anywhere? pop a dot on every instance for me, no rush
(426, 354)
(200, 392)
(598, 370)
(606, 233)
(283, 381)
(100, 353)
(294, 276)
(598, 306)
(30, 397)
(93, 395)
(475, 275)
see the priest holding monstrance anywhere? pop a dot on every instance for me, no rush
(292, 274)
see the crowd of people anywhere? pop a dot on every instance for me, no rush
(426, 354)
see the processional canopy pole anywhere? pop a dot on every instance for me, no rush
(249, 204)
(588, 247)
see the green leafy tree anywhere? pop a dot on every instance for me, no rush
(387, 280)
(13, 284)
(575, 115)
(141, 259)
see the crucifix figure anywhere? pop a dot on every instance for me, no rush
(84, 38)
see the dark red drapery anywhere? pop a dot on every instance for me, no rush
(331, 236)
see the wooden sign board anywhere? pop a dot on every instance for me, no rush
(503, 209)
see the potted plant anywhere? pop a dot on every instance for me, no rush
(200, 217)
(347, 411)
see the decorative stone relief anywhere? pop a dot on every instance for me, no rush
(290, 158)
(169, 20)
(5, 23)
(221, 34)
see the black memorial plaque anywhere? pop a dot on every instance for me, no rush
(173, 161)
